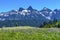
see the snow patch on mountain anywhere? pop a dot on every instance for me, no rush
(47, 17)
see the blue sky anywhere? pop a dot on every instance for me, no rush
(7, 5)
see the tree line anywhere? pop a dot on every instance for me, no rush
(51, 24)
(14, 23)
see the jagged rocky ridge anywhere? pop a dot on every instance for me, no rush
(28, 17)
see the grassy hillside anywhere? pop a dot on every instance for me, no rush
(29, 33)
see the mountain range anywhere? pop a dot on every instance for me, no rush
(30, 16)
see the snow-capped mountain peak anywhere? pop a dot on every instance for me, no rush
(26, 16)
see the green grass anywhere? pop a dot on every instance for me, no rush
(29, 33)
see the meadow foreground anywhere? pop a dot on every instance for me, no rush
(29, 33)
